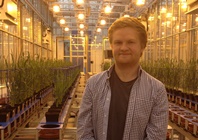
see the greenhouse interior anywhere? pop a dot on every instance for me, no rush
(50, 48)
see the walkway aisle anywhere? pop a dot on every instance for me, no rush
(69, 133)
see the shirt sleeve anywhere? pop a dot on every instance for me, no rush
(84, 123)
(158, 122)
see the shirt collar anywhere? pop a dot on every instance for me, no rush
(109, 71)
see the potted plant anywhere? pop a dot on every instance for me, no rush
(63, 81)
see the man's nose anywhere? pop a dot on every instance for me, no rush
(124, 46)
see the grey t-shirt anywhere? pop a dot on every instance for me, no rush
(120, 92)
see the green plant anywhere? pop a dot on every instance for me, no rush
(63, 80)
(175, 74)
(27, 76)
(190, 78)
(60, 84)
(18, 80)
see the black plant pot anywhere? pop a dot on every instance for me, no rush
(4, 116)
(50, 126)
(8, 108)
(59, 110)
(12, 111)
(52, 116)
(60, 106)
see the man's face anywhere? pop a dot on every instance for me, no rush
(126, 46)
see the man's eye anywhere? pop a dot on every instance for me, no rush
(117, 42)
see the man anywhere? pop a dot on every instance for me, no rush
(124, 102)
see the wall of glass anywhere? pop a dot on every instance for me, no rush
(30, 36)
(172, 33)
(33, 18)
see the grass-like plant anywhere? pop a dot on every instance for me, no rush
(27, 76)
(175, 74)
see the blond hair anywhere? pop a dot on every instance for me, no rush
(129, 22)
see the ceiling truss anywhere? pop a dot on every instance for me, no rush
(94, 12)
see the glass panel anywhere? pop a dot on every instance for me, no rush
(169, 18)
(168, 47)
(151, 25)
(162, 49)
(66, 48)
(27, 24)
(49, 54)
(183, 18)
(16, 48)
(67, 59)
(37, 30)
(157, 51)
(158, 23)
(44, 53)
(37, 4)
(163, 11)
(183, 47)
(39, 51)
(175, 17)
(175, 47)
(148, 53)
(194, 49)
(25, 47)
(77, 45)
(6, 47)
(11, 45)
(31, 49)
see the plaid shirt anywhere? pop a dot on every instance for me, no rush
(147, 114)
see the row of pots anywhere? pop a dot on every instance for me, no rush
(15, 116)
(7, 111)
(189, 101)
(184, 118)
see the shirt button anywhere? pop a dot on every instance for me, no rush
(103, 133)
(105, 115)
(107, 99)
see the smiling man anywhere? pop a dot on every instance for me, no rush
(124, 102)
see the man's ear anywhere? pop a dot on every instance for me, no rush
(110, 46)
